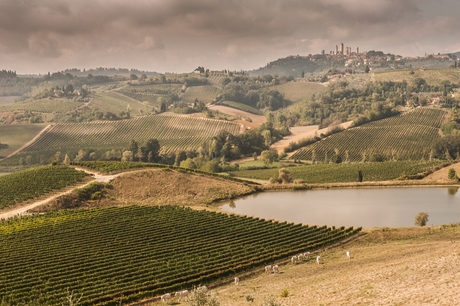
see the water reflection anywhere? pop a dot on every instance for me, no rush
(452, 190)
(379, 207)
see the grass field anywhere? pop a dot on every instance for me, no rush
(243, 107)
(135, 252)
(42, 106)
(8, 99)
(298, 91)
(115, 103)
(431, 76)
(16, 136)
(341, 173)
(407, 137)
(203, 93)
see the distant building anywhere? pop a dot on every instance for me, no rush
(357, 50)
(341, 48)
(323, 52)
(336, 49)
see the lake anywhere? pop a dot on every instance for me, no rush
(377, 207)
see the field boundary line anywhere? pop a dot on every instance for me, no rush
(30, 142)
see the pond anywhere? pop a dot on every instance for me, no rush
(376, 207)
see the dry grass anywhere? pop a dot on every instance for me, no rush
(164, 187)
(403, 266)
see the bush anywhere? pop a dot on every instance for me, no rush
(336, 159)
(270, 301)
(421, 219)
(451, 175)
(284, 293)
(284, 175)
(202, 298)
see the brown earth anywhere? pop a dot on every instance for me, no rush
(441, 175)
(162, 187)
(403, 266)
(301, 132)
(256, 119)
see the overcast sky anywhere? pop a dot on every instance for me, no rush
(37, 36)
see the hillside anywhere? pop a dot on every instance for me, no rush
(404, 137)
(387, 267)
(173, 133)
(154, 186)
(431, 76)
(125, 253)
(298, 91)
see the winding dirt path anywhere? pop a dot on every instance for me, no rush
(23, 209)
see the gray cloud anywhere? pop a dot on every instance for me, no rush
(178, 35)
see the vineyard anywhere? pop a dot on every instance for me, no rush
(173, 132)
(216, 79)
(24, 185)
(42, 106)
(405, 137)
(204, 94)
(17, 135)
(243, 107)
(431, 76)
(342, 173)
(135, 252)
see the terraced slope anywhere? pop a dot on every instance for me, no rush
(134, 252)
(404, 137)
(173, 133)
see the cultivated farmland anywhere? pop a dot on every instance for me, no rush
(115, 103)
(42, 106)
(298, 91)
(21, 186)
(203, 93)
(408, 136)
(431, 76)
(343, 173)
(173, 132)
(136, 252)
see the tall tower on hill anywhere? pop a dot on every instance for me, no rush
(357, 50)
(341, 48)
(336, 49)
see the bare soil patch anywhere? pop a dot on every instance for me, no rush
(301, 132)
(407, 266)
(441, 175)
(256, 119)
(161, 187)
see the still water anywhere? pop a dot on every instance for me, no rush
(391, 207)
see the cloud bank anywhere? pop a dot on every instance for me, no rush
(37, 36)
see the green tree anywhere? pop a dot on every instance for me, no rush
(180, 156)
(451, 174)
(267, 157)
(188, 163)
(421, 219)
(284, 175)
(366, 70)
(133, 147)
(152, 150)
(302, 75)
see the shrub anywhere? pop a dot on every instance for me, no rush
(452, 175)
(270, 301)
(284, 175)
(421, 219)
(202, 298)
(284, 293)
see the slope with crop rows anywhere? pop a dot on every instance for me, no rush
(407, 137)
(125, 254)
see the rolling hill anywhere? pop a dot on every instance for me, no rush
(404, 137)
(174, 133)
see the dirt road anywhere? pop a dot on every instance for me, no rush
(21, 210)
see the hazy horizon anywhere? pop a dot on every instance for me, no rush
(177, 35)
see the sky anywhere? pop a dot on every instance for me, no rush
(40, 36)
